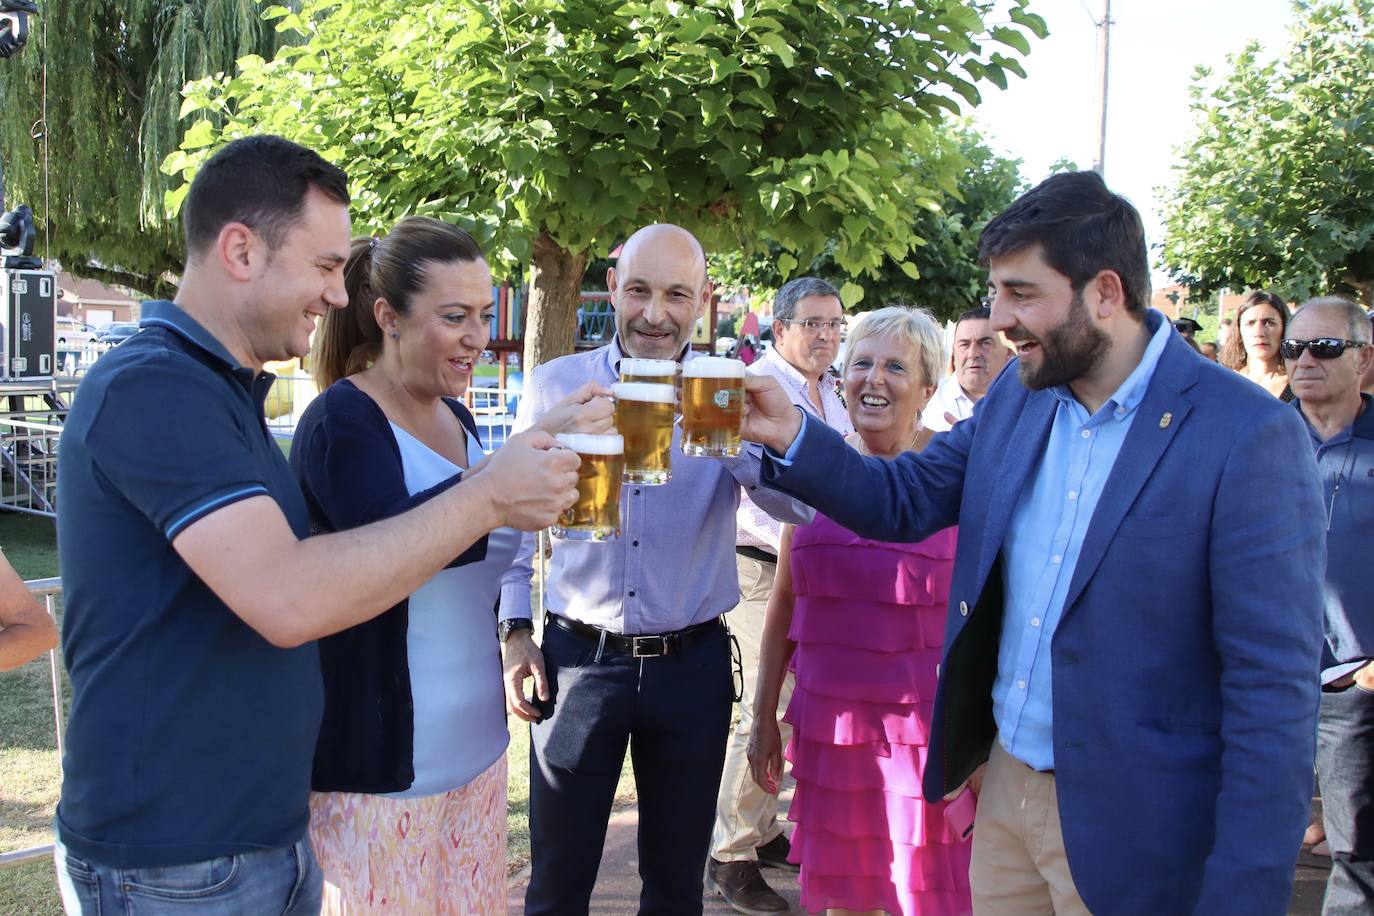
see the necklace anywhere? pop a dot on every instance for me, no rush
(863, 446)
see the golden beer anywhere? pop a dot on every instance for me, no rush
(659, 371)
(712, 406)
(644, 417)
(596, 514)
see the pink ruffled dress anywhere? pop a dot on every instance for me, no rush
(869, 623)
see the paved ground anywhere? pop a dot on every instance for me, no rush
(617, 885)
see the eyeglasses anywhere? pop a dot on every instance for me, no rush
(1322, 347)
(814, 325)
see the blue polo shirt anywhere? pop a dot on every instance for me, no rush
(190, 736)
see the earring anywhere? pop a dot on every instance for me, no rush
(395, 336)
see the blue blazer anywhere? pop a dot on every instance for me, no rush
(1185, 663)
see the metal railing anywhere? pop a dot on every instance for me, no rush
(48, 590)
(28, 464)
(492, 408)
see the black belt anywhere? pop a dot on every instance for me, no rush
(651, 646)
(756, 553)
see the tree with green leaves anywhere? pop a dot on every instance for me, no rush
(1276, 184)
(89, 162)
(552, 128)
(950, 279)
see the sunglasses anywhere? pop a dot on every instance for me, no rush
(1322, 347)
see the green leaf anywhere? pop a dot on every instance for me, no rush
(787, 265)
(851, 294)
(623, 77)
(199, 135)
(775, 43)
(910, 269)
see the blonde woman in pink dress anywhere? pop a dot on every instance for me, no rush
(861, 623)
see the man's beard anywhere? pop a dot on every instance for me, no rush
(1070, 350)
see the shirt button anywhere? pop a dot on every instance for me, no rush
(1073, 495)
(632, 593)
(1086, 434)
(1121, 411)
(634, 543)
(636, 491)
(1020, 685)
(963, 608)
(1056, 559)
(1035, 621)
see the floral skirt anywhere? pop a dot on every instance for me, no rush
(439, 854)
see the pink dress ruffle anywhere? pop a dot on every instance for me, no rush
(869, 624)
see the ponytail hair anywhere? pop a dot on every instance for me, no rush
(391, 268)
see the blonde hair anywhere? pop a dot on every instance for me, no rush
(916, 326)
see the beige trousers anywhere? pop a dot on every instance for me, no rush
(747, 816)
(1019, 866)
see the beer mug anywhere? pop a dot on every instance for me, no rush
(712, 406)
(596, 514)
(644, 415)
(660, 371)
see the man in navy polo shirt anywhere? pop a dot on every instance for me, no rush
(193, 594)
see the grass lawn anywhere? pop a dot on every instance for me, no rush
(30, 774)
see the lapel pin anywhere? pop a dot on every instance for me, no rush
(1165, 420)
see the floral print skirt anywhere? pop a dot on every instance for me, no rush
(438, 854)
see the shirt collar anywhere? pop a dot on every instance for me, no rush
(1131, 392)
(1362, 428)
(162, 313)
(614, 354)
(786, 368)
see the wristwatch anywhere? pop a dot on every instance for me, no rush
(507, 627)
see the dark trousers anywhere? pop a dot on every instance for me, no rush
(673, 712)
(1345, 765)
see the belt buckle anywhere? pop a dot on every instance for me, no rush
(651, 643)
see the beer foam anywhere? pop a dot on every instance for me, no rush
(649, 367)
(713, 367)
(592, 443)
(645, 391)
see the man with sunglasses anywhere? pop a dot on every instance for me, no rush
(1327, 351)
(808, 324)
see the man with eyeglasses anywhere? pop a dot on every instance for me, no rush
(1326, 351)
(808, 324)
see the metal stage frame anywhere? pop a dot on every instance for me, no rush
(30, 425)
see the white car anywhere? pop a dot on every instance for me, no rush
(72, 334)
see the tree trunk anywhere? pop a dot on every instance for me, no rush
(551, 319)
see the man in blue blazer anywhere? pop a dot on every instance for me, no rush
(1135, 614)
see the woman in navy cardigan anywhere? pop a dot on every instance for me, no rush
(410, 771)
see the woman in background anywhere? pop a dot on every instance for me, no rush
(862, 623)
(410, 772)
(1253, 348)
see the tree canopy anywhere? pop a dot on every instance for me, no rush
(114, 74)
(552, 128)
(1276, 185)
(950, 279)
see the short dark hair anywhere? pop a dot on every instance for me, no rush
(260, 181)
(1082, 229)
(981, 313)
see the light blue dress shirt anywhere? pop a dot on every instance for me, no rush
(1041, 551)
(674, 563)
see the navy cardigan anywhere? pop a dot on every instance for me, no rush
(345, 455)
